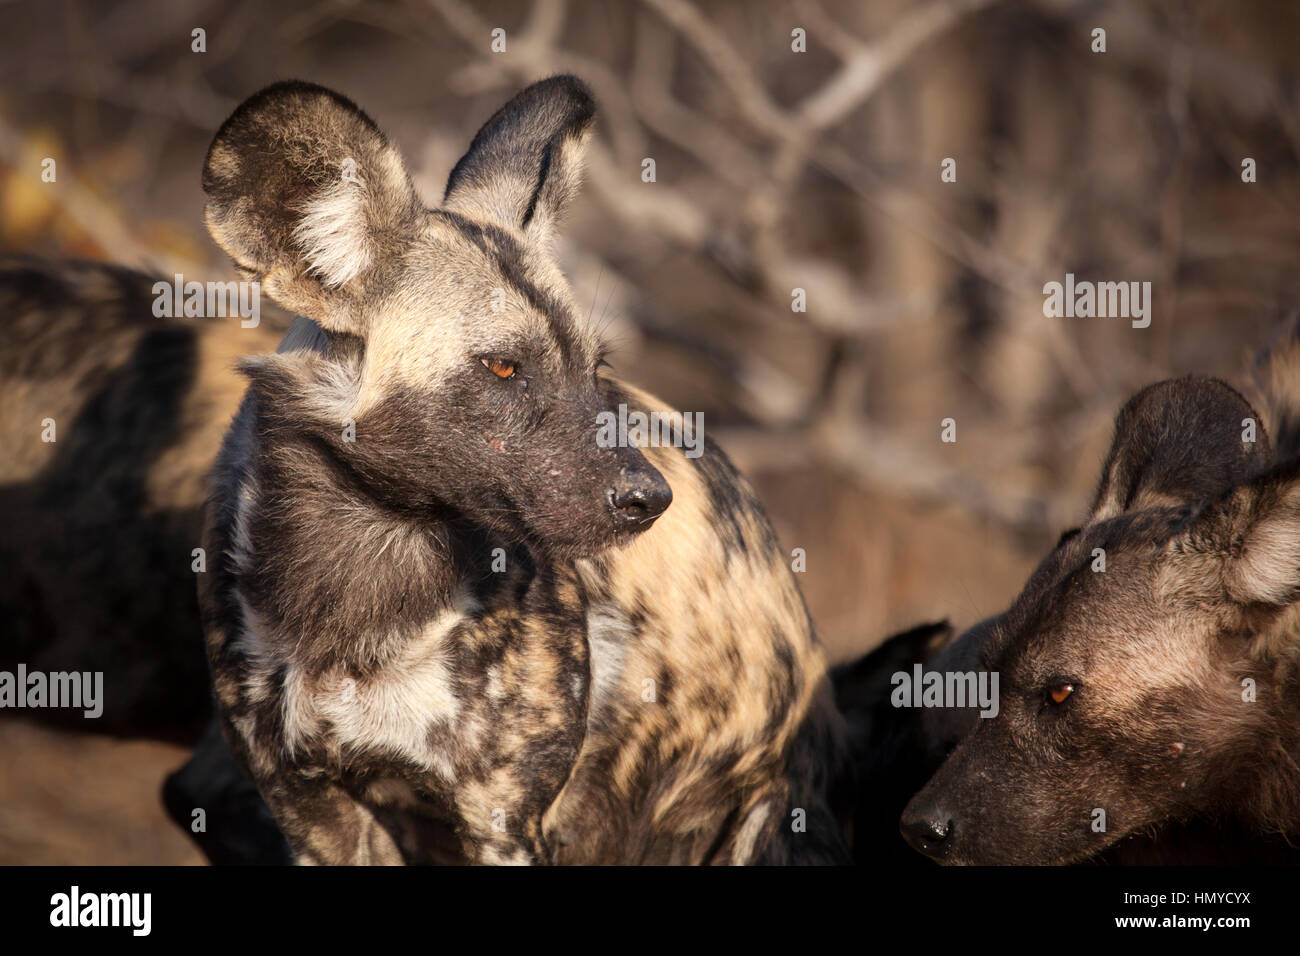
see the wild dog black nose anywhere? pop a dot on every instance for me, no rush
(638, 498)
(928, 833)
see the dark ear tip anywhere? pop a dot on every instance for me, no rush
(563, 95)
(551, 110)
(1198, 389)
(273, 104)
(284, 91)
(1210, 402)
(570, 87)
(1179, 439)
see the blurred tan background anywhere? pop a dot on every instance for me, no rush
(775, 170)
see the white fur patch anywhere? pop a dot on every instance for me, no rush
(750, 831)
(392, 711)
(389, 712)
(252, 644)
(334, 234)
(241, 543)
(493, 856)
(1269, 567)
(334, 396)
(494, 689)
(608, 633)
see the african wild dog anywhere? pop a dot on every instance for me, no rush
(1160, 692)
(895, 751)
(443, 623)
(113, 417)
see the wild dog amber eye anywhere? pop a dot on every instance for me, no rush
(499, 368)
(1058, 692)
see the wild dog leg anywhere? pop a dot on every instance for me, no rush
(326, 826)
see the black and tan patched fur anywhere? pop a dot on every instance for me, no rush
(437, 600)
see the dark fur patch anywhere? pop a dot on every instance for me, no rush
(95, 561)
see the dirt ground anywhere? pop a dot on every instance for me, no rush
(68, 798)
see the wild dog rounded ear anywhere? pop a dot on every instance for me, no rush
(1253, 534)
(309, 197)
(525, 164)
(1176, 443)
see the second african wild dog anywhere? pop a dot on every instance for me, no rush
(102, 511)
(1164, 691)
(443, 622)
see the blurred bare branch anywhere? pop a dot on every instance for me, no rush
(777, 171)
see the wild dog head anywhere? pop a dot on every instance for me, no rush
(1148, 688)
(457, 358)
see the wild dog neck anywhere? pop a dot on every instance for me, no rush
(330, 557)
